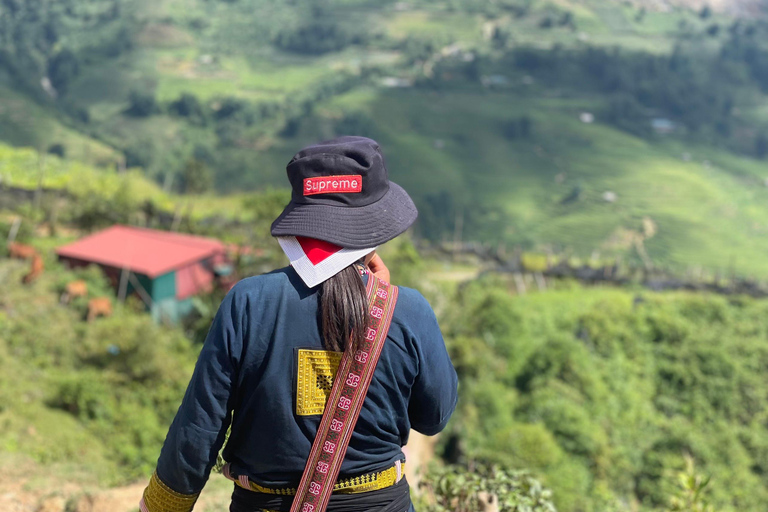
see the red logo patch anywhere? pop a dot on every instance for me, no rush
(345, 184)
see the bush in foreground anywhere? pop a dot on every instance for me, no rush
(479, 488)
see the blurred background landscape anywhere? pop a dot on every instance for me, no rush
(592, 180)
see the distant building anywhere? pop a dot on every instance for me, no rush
(662, 125)
(164, 269)
(494, 80)
(393, 81)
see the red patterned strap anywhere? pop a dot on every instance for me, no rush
(344, 403)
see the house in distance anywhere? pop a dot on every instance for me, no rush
(164, 269)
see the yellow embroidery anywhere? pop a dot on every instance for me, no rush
(158, 497)
(358, 484)
(316, 371)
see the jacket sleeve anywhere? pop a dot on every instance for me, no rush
(199, 428)
(435, 391)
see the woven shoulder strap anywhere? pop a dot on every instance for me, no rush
(344, 403)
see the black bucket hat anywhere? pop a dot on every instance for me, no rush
(341, 194)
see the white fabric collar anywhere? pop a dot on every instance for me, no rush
(323, 268)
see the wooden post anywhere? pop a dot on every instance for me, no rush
(457, 232)
(123, 288)
(519, 283)
(41, 175)
(168, 181)
(176, 218)
(140, 290)
(14, 230)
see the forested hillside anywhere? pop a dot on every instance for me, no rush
(550, 126)
(606, 391)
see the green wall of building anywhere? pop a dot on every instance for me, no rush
(162, 291)
(164, 287)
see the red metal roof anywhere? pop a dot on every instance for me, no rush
(144, 251)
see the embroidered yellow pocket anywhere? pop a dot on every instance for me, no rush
(316, 371)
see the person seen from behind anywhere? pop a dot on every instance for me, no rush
(321, 368)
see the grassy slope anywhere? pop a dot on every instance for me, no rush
(709, 211)
(26, 123)
(23, 168)
(112, 428)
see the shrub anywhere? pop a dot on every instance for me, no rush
(63, 68)
(188, 106)
(141, 104)
(317, 37)
(461, 489)
(196, 177)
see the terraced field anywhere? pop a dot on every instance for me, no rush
(450, 134)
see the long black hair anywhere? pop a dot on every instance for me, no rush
(344, 310)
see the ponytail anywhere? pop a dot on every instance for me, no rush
(344, 310)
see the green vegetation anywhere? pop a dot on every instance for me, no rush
(452, 489)
(605, 392)
(601, 393)
(585, 130)
(95, 393)
(605, 395)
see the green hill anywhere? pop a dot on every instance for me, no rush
(476, 103)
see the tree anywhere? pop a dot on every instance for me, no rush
(62, 70)
(317, 37)
(567, 20)
(57, 149)
(230, 107)
(517, 128)
(96, 206)
(265, 206)
(140, 153)
(355, 123)
(500, 38)
(141, 104)
(526, 125)
(761, 145)
(196, 177)
(188, 106)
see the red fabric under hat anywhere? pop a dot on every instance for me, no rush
(317, 250)
(317, 260)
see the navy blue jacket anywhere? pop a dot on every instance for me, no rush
(249, 364)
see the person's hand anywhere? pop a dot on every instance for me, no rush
(377, 267)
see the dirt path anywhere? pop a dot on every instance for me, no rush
(24, 489)
(418, 453)
(26, 486)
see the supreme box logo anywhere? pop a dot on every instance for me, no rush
(349, 184)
